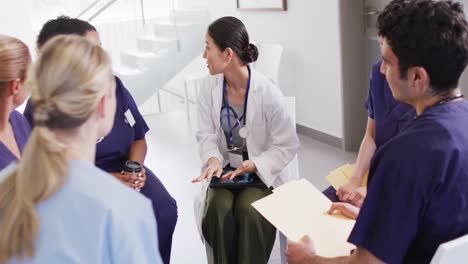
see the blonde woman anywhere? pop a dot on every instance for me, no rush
(56, 206)
(125, 143)
(14, 129)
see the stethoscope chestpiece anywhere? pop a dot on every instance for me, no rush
(244, 132)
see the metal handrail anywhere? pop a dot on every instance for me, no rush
(97, 13)
(88, 8)
(142, 7)
(175, 23)
(101, 10)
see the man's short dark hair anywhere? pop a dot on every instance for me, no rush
(429, 34)
(62, 25)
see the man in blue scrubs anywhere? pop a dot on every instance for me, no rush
(418, 185)
(386, 118)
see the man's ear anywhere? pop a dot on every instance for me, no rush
(419, 78)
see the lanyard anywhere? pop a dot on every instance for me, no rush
(443, 101)
(228, 107)
(450, 98)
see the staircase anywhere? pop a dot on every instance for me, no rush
(145, 58)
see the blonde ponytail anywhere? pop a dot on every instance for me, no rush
(68, 81)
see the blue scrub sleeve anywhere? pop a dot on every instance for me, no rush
(369, 104)
(22, 129)
(388, 221)
(140, 128)
(28, 113)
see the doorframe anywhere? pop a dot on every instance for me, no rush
(354, 68)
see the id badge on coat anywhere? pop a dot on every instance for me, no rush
(129, 118)
(235, 159)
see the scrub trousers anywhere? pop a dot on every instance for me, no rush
(234, 229)
(165, 211)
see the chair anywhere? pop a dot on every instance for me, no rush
(290, 105)
(293, 167)
(191, 75)
(191, 88)
(268, 62)
(455, 251)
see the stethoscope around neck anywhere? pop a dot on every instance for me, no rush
(234, 120)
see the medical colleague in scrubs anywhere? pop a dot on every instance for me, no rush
(126, 141)
(14, 129)
(242, 122)
(418, 183)
(386, 117)
(57, 207)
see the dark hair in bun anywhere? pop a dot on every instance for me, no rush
(251, 53)
(230, 32)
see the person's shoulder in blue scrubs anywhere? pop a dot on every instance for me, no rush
(389, 115)
(28, 113)
(129, 126)
(386, 118)
(417, 195)
(22, 130)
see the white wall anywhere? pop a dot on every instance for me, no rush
(311, 63)
(15, 20)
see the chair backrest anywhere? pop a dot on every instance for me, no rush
(455, 251)
(269, 59)
(290, 105)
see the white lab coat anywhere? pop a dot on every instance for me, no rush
(272, 142)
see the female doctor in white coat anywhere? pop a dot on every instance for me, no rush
(243, 125)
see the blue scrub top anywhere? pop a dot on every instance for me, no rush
(94, 218)
(22, 130)
(417, 197)
(112, 151)
(390, 116)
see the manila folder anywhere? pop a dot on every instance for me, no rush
(298, 209)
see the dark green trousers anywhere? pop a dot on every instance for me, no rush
(234, 229)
